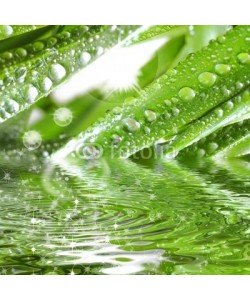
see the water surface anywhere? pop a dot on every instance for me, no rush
(124, 217)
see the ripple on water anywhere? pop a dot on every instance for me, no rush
(101, 218)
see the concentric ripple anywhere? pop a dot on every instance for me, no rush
(119, 217)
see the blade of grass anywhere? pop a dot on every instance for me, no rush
(219, 117)
(229, 141)
(7, 31)
(174, 100)
(56, 58)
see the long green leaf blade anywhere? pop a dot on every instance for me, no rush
(174, 100)
(31, 72)
(217, 118)
(229, 141)
(7, 31)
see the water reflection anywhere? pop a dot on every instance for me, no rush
(120, 217)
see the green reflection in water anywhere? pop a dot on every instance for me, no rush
(121, 217)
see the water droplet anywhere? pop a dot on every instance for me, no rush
(222, 69)
(6, 30)
(116, 139)
(244, 58)
(167, 115)
(174, 100)
(150, 115)
(85, 57)
(46, 84)
(57, 72)
(201, 152)
(207, 79)
(38, 46)
(171, 72)
(21, 52)
(239, 85)
(99, 51)
(89, 152)
(221, 39)
(167, 102)
(20, 73)
(226, 92)
(32, 140)
(63, 116)
(219, 112)
(7, 55)
(51, 42)
(212, 147)
(117, 110)
(186, 93)
(65, 35)
(131, 124)
(229, 105)
(175, 111)
(32, 93)
(147, 130)
(12, 106)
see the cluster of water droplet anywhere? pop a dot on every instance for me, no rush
(220, 116)
(31, 71)
(167, 105)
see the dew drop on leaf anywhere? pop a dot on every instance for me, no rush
(229, 105)
(222, 69)
(171, 72)
(212, 147)
(21, 52)
(13, 106)
(207, 79)
(31, 94)
(7, 55)
(186, 93)
(6, 31)
(46, 84)
(221, 39)
(150, 115)
(167, 102)
(85, 57)
(219, 112)
(239, 85)
(131, 125)
(116, 139)
(175, 111)
(201, 152)
(57, 72)
(38, 46)
(244, 58)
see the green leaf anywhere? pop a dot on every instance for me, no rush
(93, 104)
(217, 118)
(174, 100)
(32, 71)
(7, 31)
(229, 141)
